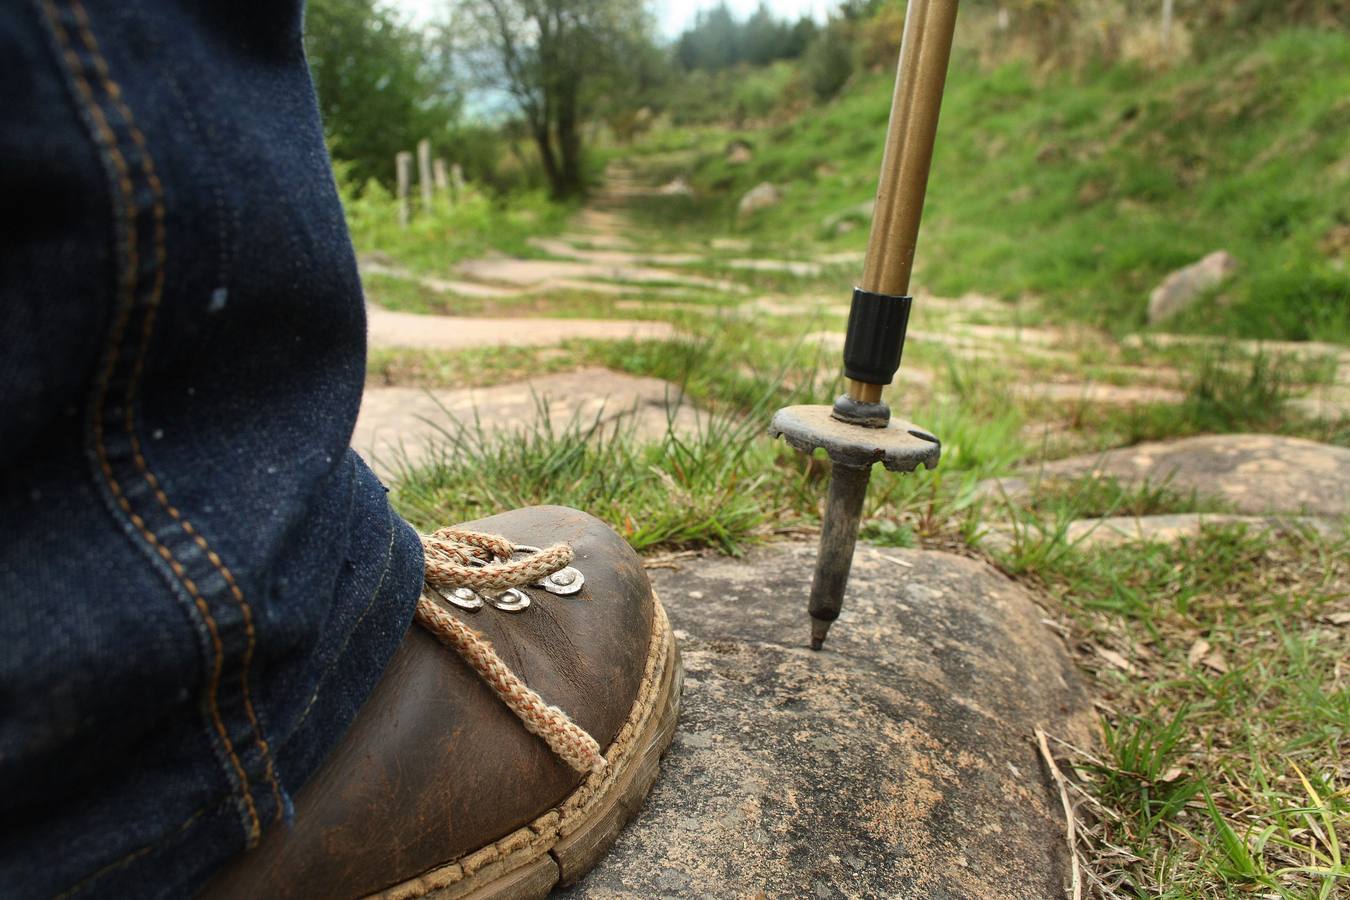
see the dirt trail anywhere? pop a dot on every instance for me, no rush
(399, 329)
(602, 253)
(605, 253)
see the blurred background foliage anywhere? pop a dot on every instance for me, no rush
(1087, 148)
(383, 83)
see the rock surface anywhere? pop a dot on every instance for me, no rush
(900, 762)
(739, 153)
(1255, 473)
(1328, 401)
(399, 425)
(386, 328)
(1160, 529)
(676, 187)
(1097, 393)
(1180, 289)
(846, 220)
(1296, 349)
(761, 196)
(536, 273)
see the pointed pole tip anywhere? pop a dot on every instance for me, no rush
(819, 628)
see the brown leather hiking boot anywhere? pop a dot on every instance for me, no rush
(438, 787)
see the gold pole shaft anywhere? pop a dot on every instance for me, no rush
(920, 78)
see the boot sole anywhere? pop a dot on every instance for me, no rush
(566, 842)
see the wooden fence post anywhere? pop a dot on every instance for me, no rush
(403, 169)
(456, 182)
(424, 172)
(438, 176)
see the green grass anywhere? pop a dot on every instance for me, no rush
(1095, 497)
(726, 365)
(722, 486)
(1223, 768)
(731, 485)
(438, 237)
(1222, 395)
(478, 367)
(410, 295)
(1083, 190)
(1224, 761)
(1217, 662)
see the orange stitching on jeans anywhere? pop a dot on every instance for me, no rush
(147, 329)
(109, 140)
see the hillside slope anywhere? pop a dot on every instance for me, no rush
(1083, 191)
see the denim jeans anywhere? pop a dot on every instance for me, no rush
(200, 582)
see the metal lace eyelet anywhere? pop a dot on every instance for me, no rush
(465, 598)
(567, 580)
(510, 600)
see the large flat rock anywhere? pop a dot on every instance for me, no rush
(386, 328)
(899, 762)
(1109, 531)
(1255, 473)
(403, 425)
(1096, 393)
(535, 272)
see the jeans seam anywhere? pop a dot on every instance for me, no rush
(192, 820)
(129, 254)
(147, 330)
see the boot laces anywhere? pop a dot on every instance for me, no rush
(457, 558)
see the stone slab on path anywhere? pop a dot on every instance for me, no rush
(373, 266)
(899, 762)
(1097, 393)
(799, 267)
(611, 256)
(536, 272)
(478, 290)
(1328, 401)
(1255, 473)
(1160, 529)
(399, 425)
(386, 328)
(1300, 349)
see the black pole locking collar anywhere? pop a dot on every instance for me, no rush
(875, 336)
(872, 346)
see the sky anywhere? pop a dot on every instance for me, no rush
(672, 16)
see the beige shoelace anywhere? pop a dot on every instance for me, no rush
(457, 559)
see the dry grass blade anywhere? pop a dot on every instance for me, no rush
(1075, 877)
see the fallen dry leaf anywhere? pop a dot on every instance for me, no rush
(1197, 651)
(1116, 660)
(1216, 662)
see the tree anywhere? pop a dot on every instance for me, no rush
(764, 37)
(550, 56)
(382, 87)
(717, 40)
(713, 42)
(830, 60)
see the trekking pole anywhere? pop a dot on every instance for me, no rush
(858, 430)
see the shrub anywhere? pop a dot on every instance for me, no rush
(830, 60)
